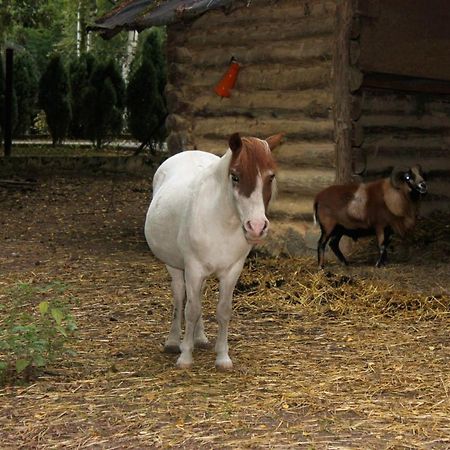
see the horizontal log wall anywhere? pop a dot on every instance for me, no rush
(285, 50)
(401, 129)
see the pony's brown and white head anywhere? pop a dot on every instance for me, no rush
(252, 177)
(410, 180)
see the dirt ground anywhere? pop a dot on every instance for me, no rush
(353, 358)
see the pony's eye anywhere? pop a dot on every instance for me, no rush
(234, 178)
(271, 177)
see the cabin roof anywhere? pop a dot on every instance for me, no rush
(141, 14)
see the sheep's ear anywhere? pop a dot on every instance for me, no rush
(397, 177)
(417, 169)
(274, 140)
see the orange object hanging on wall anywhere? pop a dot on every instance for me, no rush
(223, 88)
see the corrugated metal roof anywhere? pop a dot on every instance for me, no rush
(141, 14)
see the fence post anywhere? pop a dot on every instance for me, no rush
(7, 119)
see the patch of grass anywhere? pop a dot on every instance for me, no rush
(35, 326)
(68, 150)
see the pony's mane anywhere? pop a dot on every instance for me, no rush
(254, 157)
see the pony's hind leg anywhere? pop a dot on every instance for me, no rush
(172, 344)
(192, 313)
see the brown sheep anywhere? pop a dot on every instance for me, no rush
(380, 208)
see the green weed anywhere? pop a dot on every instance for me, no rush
(35, 326)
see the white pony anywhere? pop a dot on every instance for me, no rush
(205, 216)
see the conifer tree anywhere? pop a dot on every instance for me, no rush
(146, 107)
(54, 98)
(80, 70)
(26, 85)
(103, 103)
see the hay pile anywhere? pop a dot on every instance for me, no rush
(294, 283)
(336, 359)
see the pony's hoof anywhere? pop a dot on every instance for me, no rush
(172, 348)
(224, 365)
(184, 363)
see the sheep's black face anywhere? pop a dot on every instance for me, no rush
(415, 179)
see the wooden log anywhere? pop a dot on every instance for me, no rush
(355, 52)
(307, 182)
(356, 107)
(341, 69)
(406, 84)
(295, 127)
(215, 146)
(423, 144)
(288, 206)
(428, 207)
(356, 78)
(177, 123)
(176, 74)
(253, 77)
(181, 54)
(177, 141)
(312, 154)
(401, 103)
(355, 29)
(402, 122)
(310, 102)
(309, 49)
(265, 12)
(302, 154)
(359, 163)
(383, 162)
(439, 188)
(286, 29)
(357, 134)
(176, 102)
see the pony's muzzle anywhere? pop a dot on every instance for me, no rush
(256, 229)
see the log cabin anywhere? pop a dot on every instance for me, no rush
(357, 86)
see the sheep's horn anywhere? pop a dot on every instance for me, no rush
(397, 176)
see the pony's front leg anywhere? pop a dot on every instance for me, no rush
(227, 284)
(192, 313)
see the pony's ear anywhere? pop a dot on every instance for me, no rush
(274, 140)
(235, 142)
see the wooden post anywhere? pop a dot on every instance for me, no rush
(342, 96)
(7, 119)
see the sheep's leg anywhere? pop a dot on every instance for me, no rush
(334, 245)
(321, 245)
(194, 280)
(172, 344)
(383, 238)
